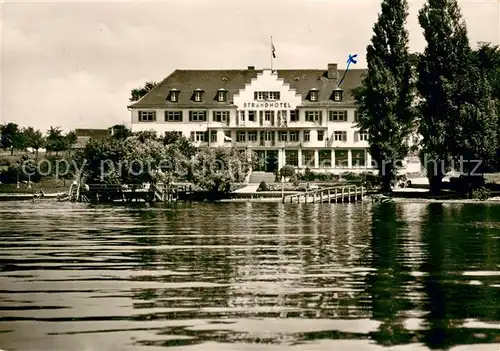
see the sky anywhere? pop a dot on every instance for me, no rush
(72, 64)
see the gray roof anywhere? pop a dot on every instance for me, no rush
(211, 81)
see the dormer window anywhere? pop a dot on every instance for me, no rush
(198, 95)
(174, 95)
(221, 95)
(313, 95)
(337, 95)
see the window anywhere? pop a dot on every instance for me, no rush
(197, 116)
(340, 136)
(337, 116)
(325, 158)
(198, 95)
(220, 116)
(313, 116)
(241, 137)
(252, 136)
(308, 158)
(337, 95)
(307, 136)
(252, 116)
(294, 136)
(174, 95)
(268, 115)
(213, 136)
(173, 116)
(199, 136)
(361, 136)
(283, 136)
(282, 116)
(358, 115)
(294, 115)
(321, 135)
(266, 95)
(292, 157)
(358, 158)
(268, 136)
(261, 95)
(221, 95)
(227, 136)
(274, 95)
(147, 116)
(341, 158)
(313, 94)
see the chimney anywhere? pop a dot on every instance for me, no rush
(332, 71)
(251, 68)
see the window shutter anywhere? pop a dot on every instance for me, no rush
(272, 118)
(320, 117)
(228, 118)
(356, 136)
(261, 117)
(191, 136)
(206, 136)
(344, 136)
(255, 95)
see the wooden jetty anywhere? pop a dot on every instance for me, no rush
(336, 194)
(98, 193)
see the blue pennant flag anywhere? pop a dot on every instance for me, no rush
(351, 59)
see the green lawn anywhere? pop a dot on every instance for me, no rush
(47, 185)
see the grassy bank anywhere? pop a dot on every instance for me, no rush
(47, 185)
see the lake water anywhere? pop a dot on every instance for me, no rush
(250, 276)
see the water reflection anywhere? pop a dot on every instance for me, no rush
(386, 286)
(305, 276)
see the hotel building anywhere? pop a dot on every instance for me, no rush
(298, 117)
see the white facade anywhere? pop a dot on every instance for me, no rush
(277, 125)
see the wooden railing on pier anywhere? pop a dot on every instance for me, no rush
(343, 193)
(133, 192)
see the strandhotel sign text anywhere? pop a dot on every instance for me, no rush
(267, 105)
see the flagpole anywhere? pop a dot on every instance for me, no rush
(271, 53)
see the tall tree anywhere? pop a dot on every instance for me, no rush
(12, 137)
(70, 139)
(34, 139)
(455, 95)
(487, 58)
(387, 92)
(56, 141)
(137, 93)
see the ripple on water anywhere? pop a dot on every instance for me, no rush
(249, 276)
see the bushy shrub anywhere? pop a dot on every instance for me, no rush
(263, 186)
(287, 171)
(481, 193)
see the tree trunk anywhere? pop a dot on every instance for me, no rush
(385, 171)
(12, 151)
(435, 184)
(386, 183)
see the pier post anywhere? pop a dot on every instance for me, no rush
(321, 196)
(355, 193)
(336, 195)
(328, 194)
